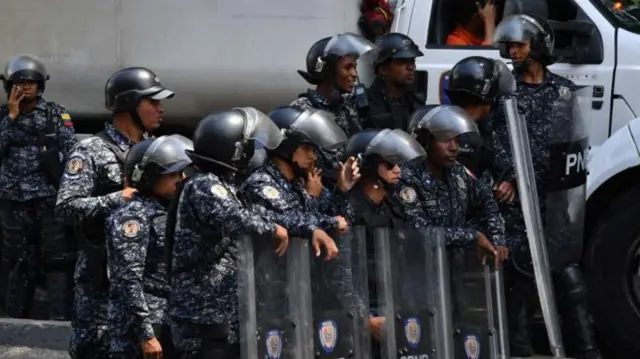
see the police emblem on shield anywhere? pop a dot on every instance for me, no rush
(274, 344)
(472, 347)
(412, 331)
(328, 333)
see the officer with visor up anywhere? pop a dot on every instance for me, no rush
(93, 185)
(390, 97)
(139, 288)
(34, 135)
(541, 95)
(203, 225)
(332, 67)
(380, 153)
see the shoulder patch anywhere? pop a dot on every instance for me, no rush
(131, 228)
(66, 119)
(270, 192)
(219, 191)
(564, 92)
(74, 165)
(408, 194)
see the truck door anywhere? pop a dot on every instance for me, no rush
(584, 39)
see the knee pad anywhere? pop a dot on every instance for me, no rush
(573, 286)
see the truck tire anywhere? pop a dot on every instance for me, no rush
(611, 264)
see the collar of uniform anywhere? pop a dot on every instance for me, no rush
(275, 173)
(119, 138)
(318, 97)
(156, 202)
(42, 104)
(378, 85)
(548, 77)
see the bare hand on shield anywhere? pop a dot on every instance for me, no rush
(281, 235)
(343, 226)
(322, 239)
(348, 175)
(151, 349)
(486, 249)
(313, 185)
(505, 191)
(375, 326)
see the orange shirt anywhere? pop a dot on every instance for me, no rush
(461, 37)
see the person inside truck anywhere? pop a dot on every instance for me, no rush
(332, 69)
(475, 23)
(390, 97)
(528, 41)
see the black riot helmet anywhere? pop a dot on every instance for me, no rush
(227, 139)
(148, 160)
(311, 126)
(443, 122)
(126, 88)
(371, 147)
(526, 28)
(478, 80)
(395, 46)
(24, 67)
(325, 53)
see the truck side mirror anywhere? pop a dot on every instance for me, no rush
(575, 42)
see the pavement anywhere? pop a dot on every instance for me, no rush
(28, 338)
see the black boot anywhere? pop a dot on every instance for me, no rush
(577, 324)
(59, 295)
(518, 316)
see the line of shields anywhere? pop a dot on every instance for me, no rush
(438, 303)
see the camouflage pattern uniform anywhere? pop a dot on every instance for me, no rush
(286, 202)
(34, 240)
(139, 287)
(203, 272)
(429, 202)
(347, 118)
(534, 104)
(91, 188)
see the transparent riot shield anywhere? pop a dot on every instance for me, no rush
(273, 300)
(566, 192)
(528, 195)
(478, 307)
(413, 292)
(340, 299)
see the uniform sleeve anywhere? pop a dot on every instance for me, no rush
(66, 133)
(127, 241)
(487, 211)
(332, 204)
(266, 199)
(5, 123)
(217, 207)
(75, 201)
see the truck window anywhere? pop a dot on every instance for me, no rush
(449, 22)
(623, 13)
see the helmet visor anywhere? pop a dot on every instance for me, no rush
(516, 28)
(348, 44)
(395, 146)
(259, 127)
(446, 122)
(320, 128)
(30, 66)
(168, 152)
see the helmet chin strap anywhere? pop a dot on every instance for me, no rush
(137, 121)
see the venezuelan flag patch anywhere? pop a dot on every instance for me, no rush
(66, 120)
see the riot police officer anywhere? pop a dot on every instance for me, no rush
(332, 68)
(529, 42)
(288, 185)
(474, 84)
(390, 97)
(33, 134)
(202, 226)
(139, 288)
(380, 154)
(439, 192)
(93, 185)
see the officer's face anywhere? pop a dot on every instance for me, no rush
(29, 88)
(388, 172)
(150, 112)
(305, 156)
(444, 153)
(519, 51)
(347, 74)
(167, 184)
(400, 71)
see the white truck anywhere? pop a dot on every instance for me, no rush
(222, 53)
